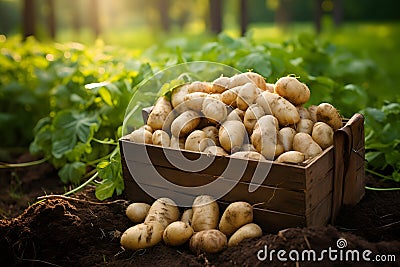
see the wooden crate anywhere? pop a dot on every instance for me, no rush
(290, 196)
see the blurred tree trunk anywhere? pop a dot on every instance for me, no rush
(282, 16)
(76, 18)
(51, 19)
(216, 16)
(28, 17)
(244, 17)
(94, 18)
(318, 15)
(163, 7)
(338, 12)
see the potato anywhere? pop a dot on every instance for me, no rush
(304, 143)
(161, 138)
(235, 215)
(238, 80)
(250, 230)
(313, 112)
(303, 112)
(322, 134)
(293, 90)
(283, 110)
(220, 85)
(208, 241)
(235, 115)
(291, 157)
(212, 134)
(231, 135)
(247, 94)
(214, 110)
(185, 123)
(141, 136)
(304, 126)
(205, 213)
(257, 79)
(177, 233)
(137, 212)
(252, 114)
(164, 211)
(142, 235)
(187, 216)
(253, 155)
(177, 98)
(215, 150)
(264, 137)
(328, 114)
(270, 87)
(159, 113)
(285, 137)
(196, 141)
(199, 87)
(177, 142)
(194, 101)
(147, 128)
(229, 96)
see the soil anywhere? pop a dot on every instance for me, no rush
(78, 231)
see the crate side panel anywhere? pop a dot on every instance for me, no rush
(320, 215)
(318, 192)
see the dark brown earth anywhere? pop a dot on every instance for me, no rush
(77, 231)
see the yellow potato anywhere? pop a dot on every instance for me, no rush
(247, 231)
(142, 235)
(209, 241)
(235, 215)
(137, 212)
(177, 233)
(205, 213)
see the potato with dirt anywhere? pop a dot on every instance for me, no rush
(143, 235)
(220, 85)
(304, 126)
(194, 101)
(163, 210)
(252, 155)
(329, 114)
(214, 109)
(185, 123)
(322, 134)
(196, 141)
(212, 134)
(197, 86)
(232, 135)
(178, 98)
(177, 233)
(304, 143)
(159, 113)
(293, 90)
(251, 116)
(247, 94)
(265, 136)
(247, 231)
(235, 215)
(216, 151)
(205, 213)
(161, 138)
(285, 137)
(208, 241)
(137, 211)
(141, 136)
(291, 157)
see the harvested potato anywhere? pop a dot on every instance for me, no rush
(238, 80)
(285, 112)
(229, 96)
(147, 128)
(164, 211)
(196, 141)
(235, 115)
(257, 79)
(187, 216)
(253, 155)
(252, 114)
(209, 241)
(322, 134)
(248, 147)
(141, 136)
(178, 95)
(304, 143)
(291, 157)
(285, 137)
(215, 150)
(328, 114)
(247, 231)
(205, 213)
(235, 215)
(214, 110)
(303, 112)
(212, 134)
(177, 142)
(220, 85)
(185, 123)
(247, 94)
(231, 135)
(264, 137)
(142, 235)
(137, 212)
(270, 87)
(293, 90)
(313, 112)
(194, 101)
(304, 126)
(161, 138)
(177, 233)
(159, 113)
(199, 87)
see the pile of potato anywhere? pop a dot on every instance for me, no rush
(242, 116)
(201, 226)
